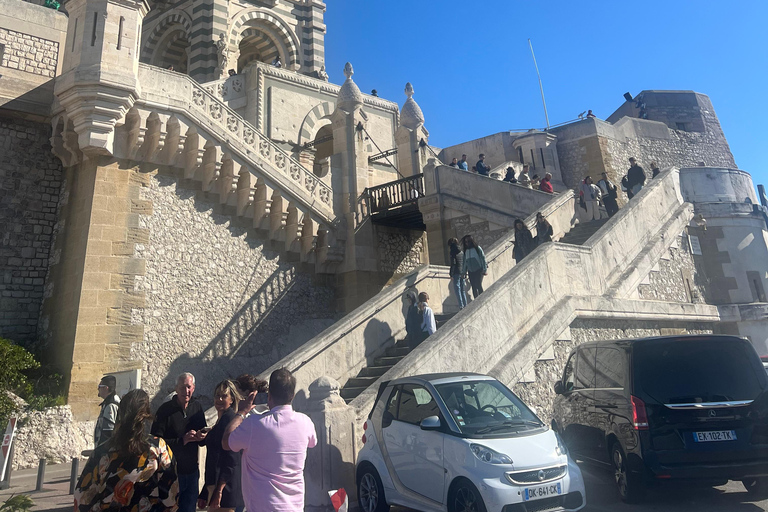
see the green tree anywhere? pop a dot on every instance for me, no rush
(15, 362)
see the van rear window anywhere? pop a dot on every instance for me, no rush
(697, 370)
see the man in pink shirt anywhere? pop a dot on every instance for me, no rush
(274, 448)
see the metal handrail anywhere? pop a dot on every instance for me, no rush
(393, 194)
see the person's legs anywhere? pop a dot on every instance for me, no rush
(591, 210)
(458, 286)
(188, 491)
(473, 282)
(636, 189)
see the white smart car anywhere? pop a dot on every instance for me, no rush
(462, 442)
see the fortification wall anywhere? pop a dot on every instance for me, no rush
(677, 278)
(218, 302)
(30, 184)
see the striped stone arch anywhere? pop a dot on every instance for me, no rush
(314, 120)
(249, 22)
(170, 21)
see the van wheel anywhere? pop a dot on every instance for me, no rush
(757, 487)
(465, 497)
(628, 484)
(370, 491)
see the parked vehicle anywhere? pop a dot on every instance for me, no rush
(666, 408)
(765, 362)
(462, 442)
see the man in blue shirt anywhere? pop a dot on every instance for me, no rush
(481, 167)
(463, 163)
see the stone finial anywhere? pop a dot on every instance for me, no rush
(349, 97)
(323, 388)
(411, 115)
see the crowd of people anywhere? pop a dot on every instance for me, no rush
(534, 182)
(605, 192)
(255, 452)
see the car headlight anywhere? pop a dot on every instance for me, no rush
(560, 449)
(485, 454)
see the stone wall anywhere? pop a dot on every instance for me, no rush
(28, 53)
(218, 303)
(30, 183)
(541, 395)
(399, 252)
(51, 434)
(678, 278)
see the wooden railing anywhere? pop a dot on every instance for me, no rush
(393, 194)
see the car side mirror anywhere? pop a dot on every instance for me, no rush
(559, 388)
(386, 419)
(430, 423)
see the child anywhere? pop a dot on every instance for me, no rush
(428, 324)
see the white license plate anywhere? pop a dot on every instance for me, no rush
(542, 491)
(717, 435)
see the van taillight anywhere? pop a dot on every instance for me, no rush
(639, 416)
(365, 427)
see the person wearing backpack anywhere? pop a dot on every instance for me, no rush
(474, 265)
(457, 277)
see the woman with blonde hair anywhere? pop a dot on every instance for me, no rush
(221, 491)
(132, 470)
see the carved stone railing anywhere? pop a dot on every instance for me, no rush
(181, 94)
(227, 89)
(395, 193)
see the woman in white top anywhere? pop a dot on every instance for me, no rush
(591, 195)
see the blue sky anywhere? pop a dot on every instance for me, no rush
(471, 67)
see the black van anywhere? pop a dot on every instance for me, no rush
(664, 408)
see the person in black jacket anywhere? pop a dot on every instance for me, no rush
(457, 277)
(222, 489)
(181, 422)
(523, 241)
(413, 320)
(635, 177)
(543, 229)
(481, 167)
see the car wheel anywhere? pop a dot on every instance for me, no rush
(370, 492)
(757, 487)
(465, 498)
(629, 485)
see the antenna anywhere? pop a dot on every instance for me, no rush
(541, 87)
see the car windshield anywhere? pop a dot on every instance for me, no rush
(486, 407)
(695, 371)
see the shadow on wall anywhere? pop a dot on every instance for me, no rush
(284, 312)
(376, 332)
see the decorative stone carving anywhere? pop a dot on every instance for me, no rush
(295, 172)
(198, 97)
(325, 195)
(322, 74)
(232, 124)
(350, 97)
(280, 160)
(248, 136)
(411, 115)
(215, 111)
(264, 148)
(222, 53)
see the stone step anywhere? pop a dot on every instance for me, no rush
(387, 360)
(350, 393)
(357, 382)
(373, 371)
(398, 350)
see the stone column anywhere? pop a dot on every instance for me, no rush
(358, 271)
(331, 464)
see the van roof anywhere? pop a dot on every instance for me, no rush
(674, 337)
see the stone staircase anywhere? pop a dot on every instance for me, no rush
(181, 128)
(582, 232)
(382, 364)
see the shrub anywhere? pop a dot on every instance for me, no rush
(18, 503)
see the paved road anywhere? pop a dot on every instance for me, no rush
(602, 497)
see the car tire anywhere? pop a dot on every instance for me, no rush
(757, 487)
(629, 484)
(370, 491)
(464, 497)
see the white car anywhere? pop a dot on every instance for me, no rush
(462, 442)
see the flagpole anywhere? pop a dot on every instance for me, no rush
(541, 87)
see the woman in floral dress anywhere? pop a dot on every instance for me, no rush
(133, 471)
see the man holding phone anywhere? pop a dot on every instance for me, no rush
(181, 422)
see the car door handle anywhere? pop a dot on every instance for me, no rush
(606, 406)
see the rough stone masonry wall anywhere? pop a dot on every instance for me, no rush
(399, 253)
(28, 53)
(218, 303)
(669, 282)
(541, 395)
(30, 183)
